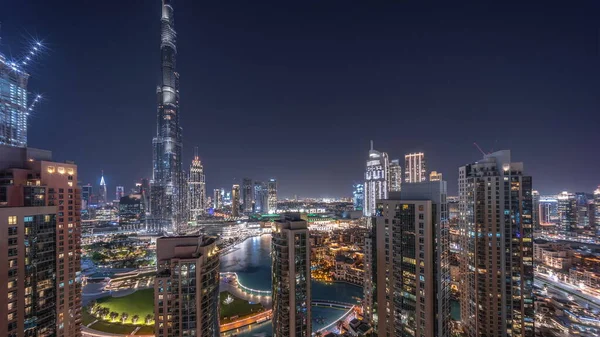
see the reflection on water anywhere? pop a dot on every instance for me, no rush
(251, 260)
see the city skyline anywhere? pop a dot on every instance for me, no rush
(510, 78)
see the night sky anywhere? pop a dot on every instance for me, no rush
(296, 89)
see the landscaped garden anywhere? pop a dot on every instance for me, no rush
(122, 315)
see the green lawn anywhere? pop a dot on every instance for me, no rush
(113, 327)
(238, 307)
(139, 303)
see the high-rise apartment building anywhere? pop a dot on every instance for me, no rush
(248, 195)
(119, 192)
(358, 196)
(567, 213)
(14, 104)
(132, 212)
(272, 185)
(29, 178)
(596, 208)
(582, 211)
(235, 201)
(435, 176)
(376, 179)
(86, 194)
(395, 181)
(496, 262)
(290, 249)
(217, 198)
(196, 189)
(186, 287)
(535, 197)
(407, 270)
(549, 211)
(167, 191)
(415, 169)
(27, 283)
(261, 197)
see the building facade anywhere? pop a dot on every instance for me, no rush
(132, 212)
(217, 198)
(247, 195)
(235, 201)
(167, 192)
(395, 181)
(567, 213)
(496, 262)
(272, 185)
(415, 169)
(196, 189)
(435, 176)
(376, 180)
(29, 293)
(358, 196)
(29, 178)
(261, 197)
(186, 287)
(119, 192)
(290, 249)
(407, 268)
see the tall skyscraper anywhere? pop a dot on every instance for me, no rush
(14, 104)
(102, 192)
(549, 210)
(535, 196)
(407, 270)
(567, 213)
(261, 197)
(119, 192)
(235, 201)
(186, 287)
(248, 195)
(196, 189)
(496, 262)
(415, 169)
(30, 179)
(272, 196)
(582, 211)
(358, 196)
(395, 181)
(132, 212)
(86, 193)
(290, 247)
(217, 198)
(376, 180)
(435, 176)
(167, 187)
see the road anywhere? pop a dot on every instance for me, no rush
(246, 321)
(540, 279)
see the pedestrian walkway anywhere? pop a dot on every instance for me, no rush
(231, 287)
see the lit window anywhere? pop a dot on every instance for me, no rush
(12, 220)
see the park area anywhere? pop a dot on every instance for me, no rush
(123, 315)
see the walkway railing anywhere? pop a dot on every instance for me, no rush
(245, 288)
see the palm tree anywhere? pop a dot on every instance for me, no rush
(124, 317)
(113, 315)
(148, 318)
(104, 311)
(135, 318)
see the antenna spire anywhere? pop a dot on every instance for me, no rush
(371, 145)
(196, 152)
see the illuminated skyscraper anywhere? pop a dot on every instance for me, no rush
(13, 104)
(496, 234)
(272, 196)
(407, 270)
(186, 287)
(535, 195)
(247, 195)
(290, 266)
(167, 190)
(30, 181)
(415, 169)
(261, 197)
(235, 201)
(196, 189)
(376, 180)
(119, 192)
(102, 193)
(567, 213)
(217, 198)
(596, 208)
(395, 181)
(358, 196)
